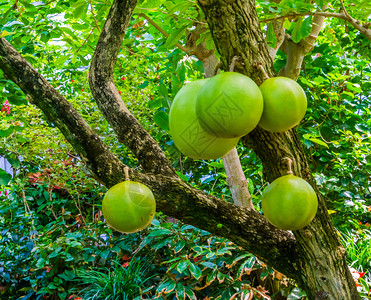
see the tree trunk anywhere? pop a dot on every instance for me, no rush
(322, 270)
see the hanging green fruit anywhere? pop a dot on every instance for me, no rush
(229, 105)
(129, 206)
(285, 104)
(289, 202)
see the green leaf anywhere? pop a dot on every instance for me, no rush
(161, 118)
(180, 7)
(296, 294)
(13, 160)
(67, 275)
(182, 266)
(195, 271)
(80, 8)
(251, 185)
(287, 24)
(61, 60)
(208, 264)
(211, 277)
(180, 292)
(315, 140)
(175, 36)
(160, 232)
(320, 3)
(154, 4)
(179, 246)
(306, 27)
(6, 132)
(271, 36)
(105, 253)
(144, 84)
(5, 33)
(296, 32)
(163, 91)
(155, 103)
(4, 177)
(166, 286)
(30, 7)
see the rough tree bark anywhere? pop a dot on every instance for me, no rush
(313, 256)
(322, 271)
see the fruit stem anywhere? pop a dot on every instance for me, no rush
(288, 161)
(126, 170)
(233, 63)
(261, 68)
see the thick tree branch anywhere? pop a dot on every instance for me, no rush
(126, 126)
(175, 198)
(228, 42)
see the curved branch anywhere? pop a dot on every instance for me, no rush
(296, 52)
(343, 16)
(126, 126)
(279, 32)
(174, 197)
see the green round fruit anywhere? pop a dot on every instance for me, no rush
(289, 203)
(188, 135)
(229, 105)
(285, 104)
(129, 206)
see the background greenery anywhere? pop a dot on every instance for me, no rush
(54, 243)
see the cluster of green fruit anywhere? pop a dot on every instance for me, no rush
(208, 116)
(129, 206)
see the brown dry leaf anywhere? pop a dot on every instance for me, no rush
(138, 24)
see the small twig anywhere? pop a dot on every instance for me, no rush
(27, 209)
(163, 32)
(82, 45)
(233, 63)
(344, 9)
(165, 13)
(288, 162)
(95, 19)
(261, 68)
(126, 170)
